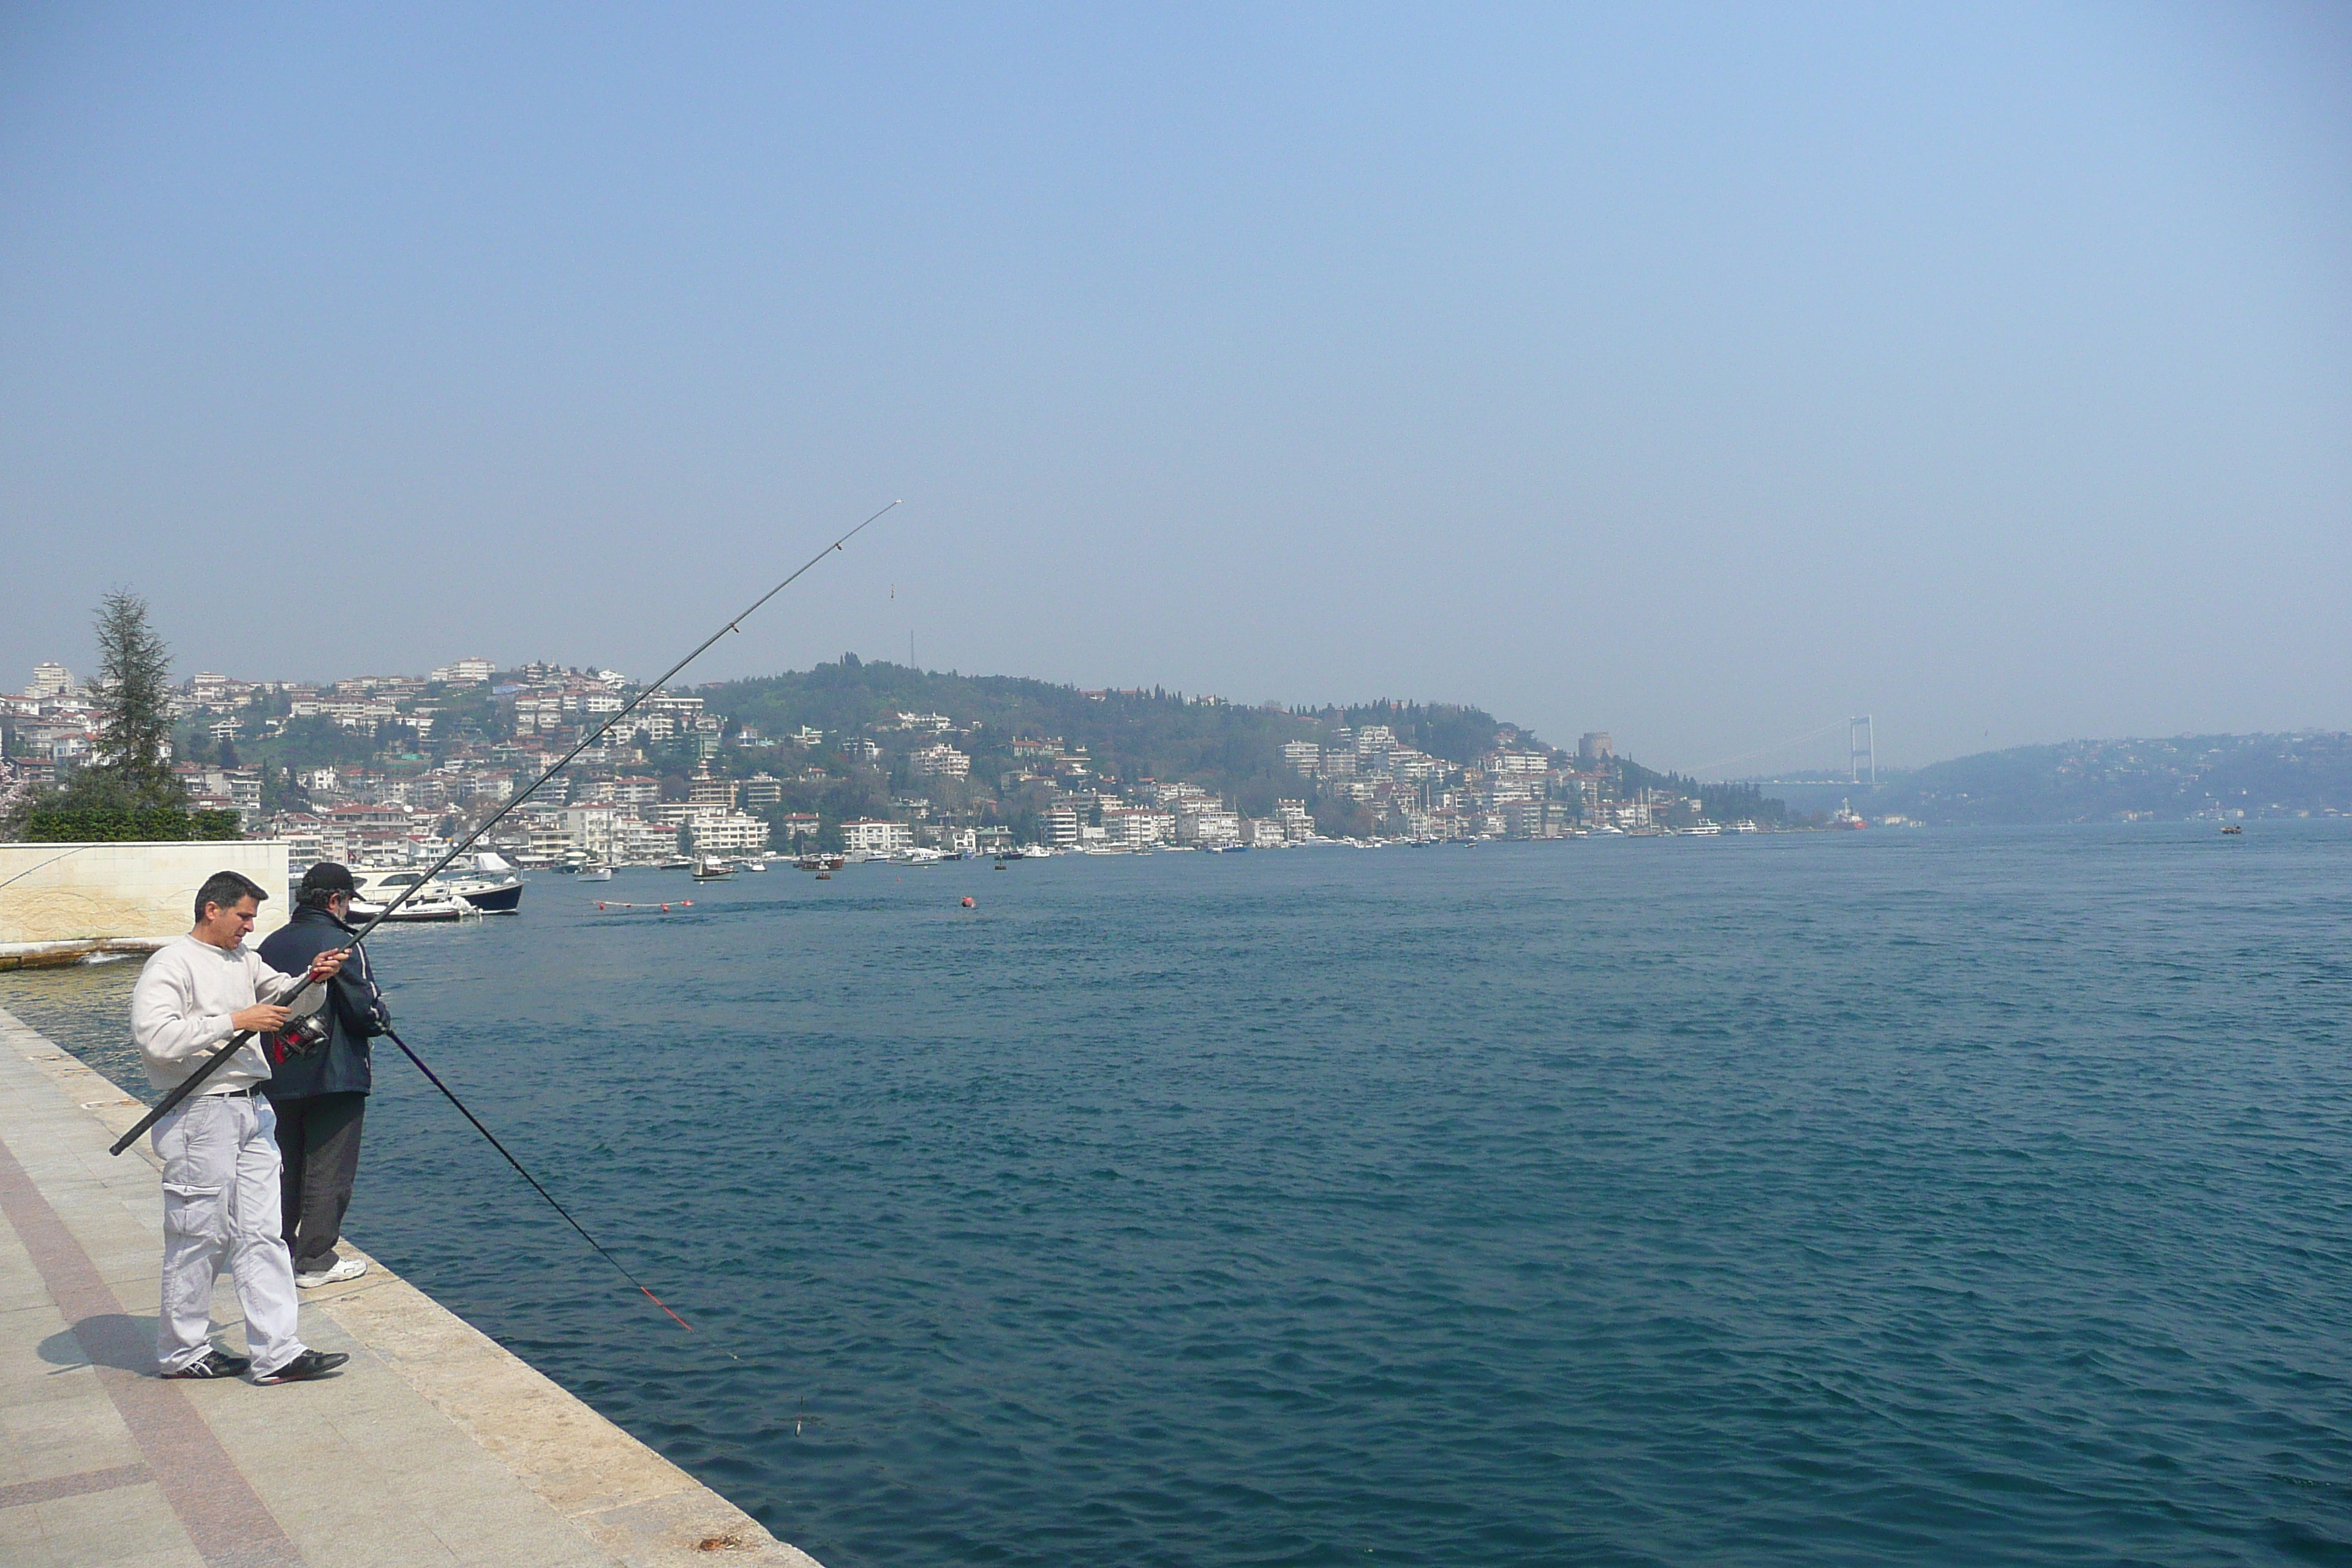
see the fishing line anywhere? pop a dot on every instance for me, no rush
(602, 1251)
(211, 1064)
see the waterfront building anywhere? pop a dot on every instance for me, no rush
(590, 828)
(731, 833)
(1210, 829)
(1137, 828)
(1058, 828)
(876, 837)
(763, 789)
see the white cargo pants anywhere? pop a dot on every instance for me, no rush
(221, 1167)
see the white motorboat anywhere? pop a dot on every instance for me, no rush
(595, 871)
(493, 887)
(375, 888)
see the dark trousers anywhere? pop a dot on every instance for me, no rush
(320, 1137)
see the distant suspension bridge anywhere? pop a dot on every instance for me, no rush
(1861, 753)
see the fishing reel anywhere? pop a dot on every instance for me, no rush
(304, 1034)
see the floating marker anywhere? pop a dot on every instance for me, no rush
(967, 903)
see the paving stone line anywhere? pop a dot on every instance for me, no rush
(216, 1505)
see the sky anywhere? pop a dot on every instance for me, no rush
(1702, 374)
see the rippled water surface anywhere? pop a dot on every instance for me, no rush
(1945, 1197)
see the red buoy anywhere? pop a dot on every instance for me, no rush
(967, 903)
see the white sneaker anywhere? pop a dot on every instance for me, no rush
(344, 1268)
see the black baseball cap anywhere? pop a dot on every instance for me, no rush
(324, 878)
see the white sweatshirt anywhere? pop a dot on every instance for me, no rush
(180, 1009)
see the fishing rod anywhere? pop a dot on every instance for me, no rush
(220, 1057)
(450, 1095)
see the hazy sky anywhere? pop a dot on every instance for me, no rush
(1699, 374)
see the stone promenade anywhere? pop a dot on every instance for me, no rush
(434, 1447)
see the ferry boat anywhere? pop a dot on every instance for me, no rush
(821, 862)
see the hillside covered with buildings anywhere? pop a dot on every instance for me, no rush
(852, 754)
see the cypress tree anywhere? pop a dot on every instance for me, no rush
(133, 692)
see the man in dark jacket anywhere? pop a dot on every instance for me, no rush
(320, 1095)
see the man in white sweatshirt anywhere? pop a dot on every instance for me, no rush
(219, 1146)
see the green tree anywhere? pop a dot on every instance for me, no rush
(133, 695)
(127, 793)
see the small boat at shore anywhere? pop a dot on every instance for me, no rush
(714, 870)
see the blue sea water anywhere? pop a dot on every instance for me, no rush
(1945, 1197)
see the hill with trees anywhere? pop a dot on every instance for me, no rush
(2299, 774)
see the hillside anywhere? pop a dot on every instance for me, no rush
(2303, 774)
(1106, 739)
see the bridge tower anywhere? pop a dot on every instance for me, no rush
(1861, 751)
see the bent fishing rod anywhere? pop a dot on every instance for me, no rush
(220, 1057)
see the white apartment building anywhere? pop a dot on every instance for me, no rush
(50, 680)
(1302, 757)
(1137, 827)
(1517, 765)
(465, 671)
(635, 840)
(704, 790)
(592, 828)
(731, 834)
(939, 761)
(1209, 829)
(876, 837)
(1059, 828)
(1264, 833)
(1296, 822)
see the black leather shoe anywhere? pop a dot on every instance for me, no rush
(212, 1363)
(303, 1367)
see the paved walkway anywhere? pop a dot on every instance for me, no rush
(436, 1446)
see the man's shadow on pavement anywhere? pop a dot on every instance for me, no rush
(114, 1340)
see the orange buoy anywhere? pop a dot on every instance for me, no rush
(599, 906)
(967, 903)
(665, 909)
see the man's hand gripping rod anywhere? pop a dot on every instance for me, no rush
(214, 1062)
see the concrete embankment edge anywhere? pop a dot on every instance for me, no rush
(630, 1505)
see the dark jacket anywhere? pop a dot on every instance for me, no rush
(354, 1006)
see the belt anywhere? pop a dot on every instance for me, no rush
(252, 1092)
